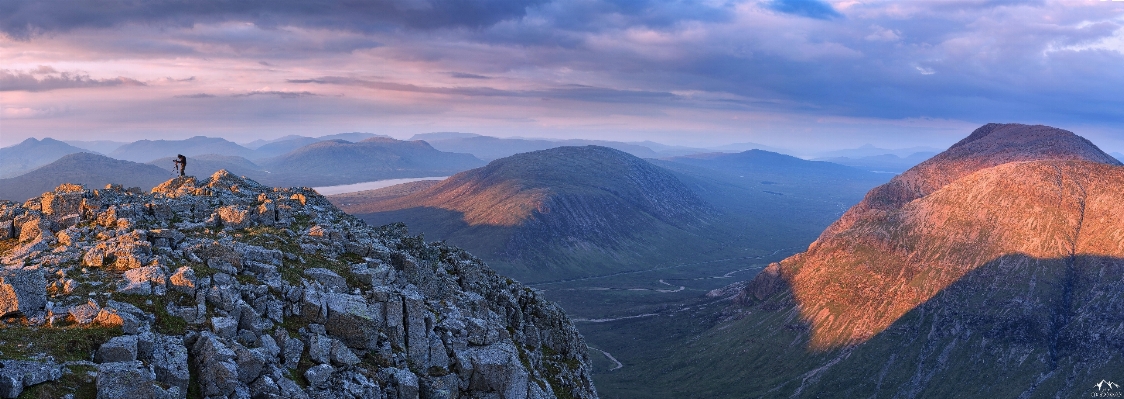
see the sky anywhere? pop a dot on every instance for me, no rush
(807, 75)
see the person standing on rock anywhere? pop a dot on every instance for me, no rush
(180, 163)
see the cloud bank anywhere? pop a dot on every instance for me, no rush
(789, 72)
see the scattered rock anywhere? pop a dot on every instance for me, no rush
(242, 313)
(224, 327)
(22, 290)
(328, 278)
(131, 380)
(317, 376)
(15, 375)
(140, 280)
(118, 349)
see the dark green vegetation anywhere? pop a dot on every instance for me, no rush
(83, 168)
(639, 293)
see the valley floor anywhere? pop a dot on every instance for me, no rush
(634, 321)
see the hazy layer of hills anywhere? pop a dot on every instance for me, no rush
(335, 162)
(572, 212)
(84, 168)
(147, 150)
(332, 162)
(283, 145)
(209, 163)
(992, 270)
(490, 148)
(887, 163)
(98, 146)
(31, 154)
(869, 157)
(318, 164)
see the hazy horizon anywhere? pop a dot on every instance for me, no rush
(807, 75)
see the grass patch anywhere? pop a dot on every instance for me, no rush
(292, 324)
(75, 380)
(202, 270)
(165, 323)
(62, 343)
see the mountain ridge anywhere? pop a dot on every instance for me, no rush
(85, 168)
(565, 201)
(148, 150)
(333, 162)
(31, 154)
(990, 145)
(996, 271)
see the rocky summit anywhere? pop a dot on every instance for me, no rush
(225, 288)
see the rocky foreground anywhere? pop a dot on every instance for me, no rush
(224, 288)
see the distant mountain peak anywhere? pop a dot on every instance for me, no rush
(1006, 190)
(990, 145)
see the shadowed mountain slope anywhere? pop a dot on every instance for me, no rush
(30, 154)
(335, 162)
(992, 270)
(545, 209)
(148, 150)
(90, 170)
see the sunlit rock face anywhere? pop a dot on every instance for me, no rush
(229, 288)
(1005, 253)
(1005, 190)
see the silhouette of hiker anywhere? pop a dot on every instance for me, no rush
(181, 163)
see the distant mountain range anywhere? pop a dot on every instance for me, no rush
(208, 164)
(283, 145)
(352, 137)
(568, 212)
(741, 147)
(995, 265)
(335, 162)
(321, 163)
(332, 162)
(148, 150)
(889, 163)
(868, 150)
(1118, 156)
(491, 148)
(869, 157)
(84, 168)
(99, 146)
(31, 154)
